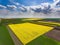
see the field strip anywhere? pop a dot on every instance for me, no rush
(32, 19)
(27, 32)
(46, 23)
(50, 22)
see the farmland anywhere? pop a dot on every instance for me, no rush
(30, 24)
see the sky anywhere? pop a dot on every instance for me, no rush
(18, 3)
(21, 4)
(30, 6)
(24, 2)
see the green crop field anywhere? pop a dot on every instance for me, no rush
(44, 40)
(5, 38)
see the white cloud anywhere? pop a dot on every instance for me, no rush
(14, 2)
(12, 6)
(55, 2)
(1, 6)
(21, 8)
(17, 3)
(45, 5)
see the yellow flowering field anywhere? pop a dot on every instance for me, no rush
(27, 32)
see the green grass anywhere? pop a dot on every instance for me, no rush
(5, 38)
(44, 40)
